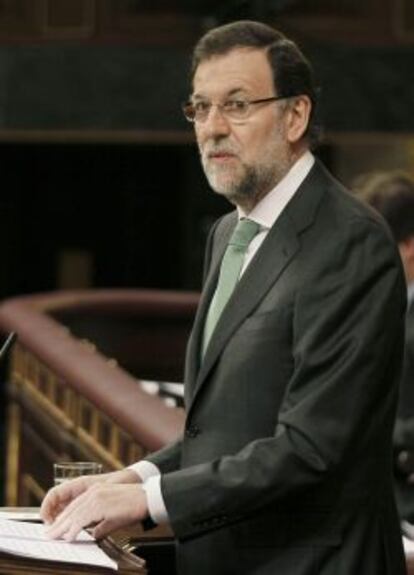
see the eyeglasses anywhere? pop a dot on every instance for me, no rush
(233, 109)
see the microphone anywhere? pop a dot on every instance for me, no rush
(11, 338)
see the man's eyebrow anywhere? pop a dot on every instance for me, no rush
(232, 92)
(236, 91)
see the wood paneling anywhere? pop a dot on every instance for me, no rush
(150, 23)
(17, 18)
(67, 20)
(404, 20)
(348, 21)
(162, 22)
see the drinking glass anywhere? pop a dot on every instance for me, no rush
(65, 470)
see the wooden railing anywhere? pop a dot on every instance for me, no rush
(69, 397)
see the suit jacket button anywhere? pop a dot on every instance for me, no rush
(192, 431)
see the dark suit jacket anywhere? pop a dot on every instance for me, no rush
(285, 466)
(404, 428)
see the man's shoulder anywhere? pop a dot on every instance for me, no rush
(325, 207)
(344, 207)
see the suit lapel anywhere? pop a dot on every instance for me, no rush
(276, 252)
(278, 249)
(194, 349)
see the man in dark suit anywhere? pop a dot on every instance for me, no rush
(392, 195)
(291, 375)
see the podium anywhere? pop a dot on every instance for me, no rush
(128, 564)
(120, 546)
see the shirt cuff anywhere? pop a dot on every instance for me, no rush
(155, 500)
(144, 469)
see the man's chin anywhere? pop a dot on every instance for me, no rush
(222, 186)
(228, 193)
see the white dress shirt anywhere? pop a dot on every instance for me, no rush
(264, 213)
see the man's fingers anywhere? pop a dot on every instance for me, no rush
(52, 514)
(105, 506)
(75, 527)
(69, 527)
(73, 518)
(54, 531)
(60, 496)
(52, 505)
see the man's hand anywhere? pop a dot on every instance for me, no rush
(59, 497)
(105, 505)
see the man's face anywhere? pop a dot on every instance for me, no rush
(242, 160)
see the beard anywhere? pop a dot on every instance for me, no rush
(240, 182)
(245, 183)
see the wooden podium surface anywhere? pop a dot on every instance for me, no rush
(128, 564)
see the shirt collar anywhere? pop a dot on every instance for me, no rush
(271, 206)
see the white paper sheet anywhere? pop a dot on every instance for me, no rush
(20, 515)
(30, 540)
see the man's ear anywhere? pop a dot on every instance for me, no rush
(298, 115)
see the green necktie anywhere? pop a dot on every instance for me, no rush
(231, 266)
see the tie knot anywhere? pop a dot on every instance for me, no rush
(244, 232)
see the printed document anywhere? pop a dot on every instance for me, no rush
(30, 540)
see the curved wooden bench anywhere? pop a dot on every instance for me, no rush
(70, 398)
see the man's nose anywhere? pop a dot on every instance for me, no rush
(216, 123)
